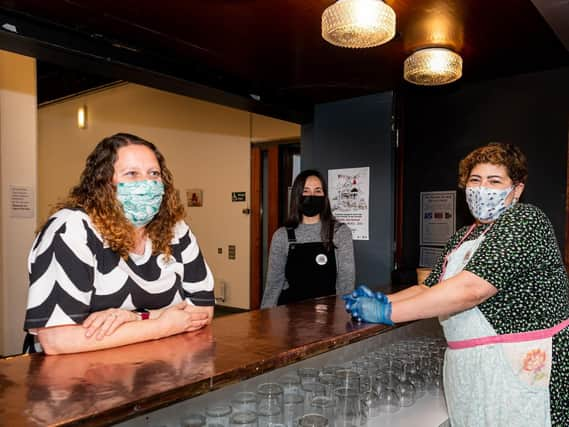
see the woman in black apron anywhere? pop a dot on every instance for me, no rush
(312, 255)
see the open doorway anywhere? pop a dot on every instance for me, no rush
(274, 165)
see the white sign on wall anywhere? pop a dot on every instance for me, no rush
(348, 191)
(429, 255)
(21, 201)
(438, 217)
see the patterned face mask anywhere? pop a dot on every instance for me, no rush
(487, 204)
(140, 200)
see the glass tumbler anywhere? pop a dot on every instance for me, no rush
(312, 390)
(347, 378)
(329, 370)
(308, 375)
(329, 382)
(323, 405)
(313, 420)
(348, 409)
(293, 409)
(290, 384)
(244, 401)
(193, 420)
(243, 419)
(270, 404)
(218, 415)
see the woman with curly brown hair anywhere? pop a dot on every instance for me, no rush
(501, 293)
(116, 263)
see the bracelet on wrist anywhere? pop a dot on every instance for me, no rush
(142, 313)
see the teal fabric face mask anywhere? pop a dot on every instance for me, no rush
(140, 200)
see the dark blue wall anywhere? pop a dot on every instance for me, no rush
(442, 126)
(357, 133)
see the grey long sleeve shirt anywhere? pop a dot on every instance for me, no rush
(307, 233)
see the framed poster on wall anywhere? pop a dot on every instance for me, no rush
(438, 217)
(348, 190)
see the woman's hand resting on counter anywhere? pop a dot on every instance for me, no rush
(368, 306)
(106, 331)
(182, 317)
(105, 322)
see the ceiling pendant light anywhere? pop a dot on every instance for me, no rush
(358, 23)
(433, 66)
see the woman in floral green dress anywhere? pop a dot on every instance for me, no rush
(501, 293)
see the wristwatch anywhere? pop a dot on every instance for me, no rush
(142, 313)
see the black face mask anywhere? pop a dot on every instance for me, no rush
(311, 205)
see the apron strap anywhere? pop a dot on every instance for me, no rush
(291, 235)
(509, 338)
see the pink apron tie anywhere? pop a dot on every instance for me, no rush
(509, 338)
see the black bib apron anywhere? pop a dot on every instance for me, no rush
(310, 270)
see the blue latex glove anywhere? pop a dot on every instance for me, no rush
(362, 297)
(351, 299)
(362, 291)
(371, 310)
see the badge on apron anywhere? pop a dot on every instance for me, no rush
(321, 259)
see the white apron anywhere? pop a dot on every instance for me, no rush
(492, 384)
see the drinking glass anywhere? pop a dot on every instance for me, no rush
(244, 401)
(384, 380)
(347, 378)
(307, 375)
(348, 409)
(329, 383)
(270, 404)
(406, 392)
(312, 390)
(290, 384)
(193, 420)
(406, 389)
(329, 370)
(366, 376)
(268, 416)
(370, 405)
(323, 405)
(388, 401)
(419, 383)
(243, 419)
(313, 420)
(293, 408)
(435, 386)
(218, 415)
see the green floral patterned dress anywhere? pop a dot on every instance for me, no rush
(520, 257)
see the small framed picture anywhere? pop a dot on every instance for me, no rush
(195, 197)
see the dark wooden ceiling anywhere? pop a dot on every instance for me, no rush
(273, 48)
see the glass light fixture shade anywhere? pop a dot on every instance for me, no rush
(358, 23)
(82, 117)
(433, 67)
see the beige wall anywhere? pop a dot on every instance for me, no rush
(18, 137)
(267, 129)
(206, 146)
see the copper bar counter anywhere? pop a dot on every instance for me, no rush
(109, 386)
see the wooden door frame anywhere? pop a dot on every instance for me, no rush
(256, 218)
(256, 231)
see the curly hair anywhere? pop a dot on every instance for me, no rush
(495, 153)
(96, 195)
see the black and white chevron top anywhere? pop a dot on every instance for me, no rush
(73, 273)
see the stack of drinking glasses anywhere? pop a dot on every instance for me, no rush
(351, 394)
